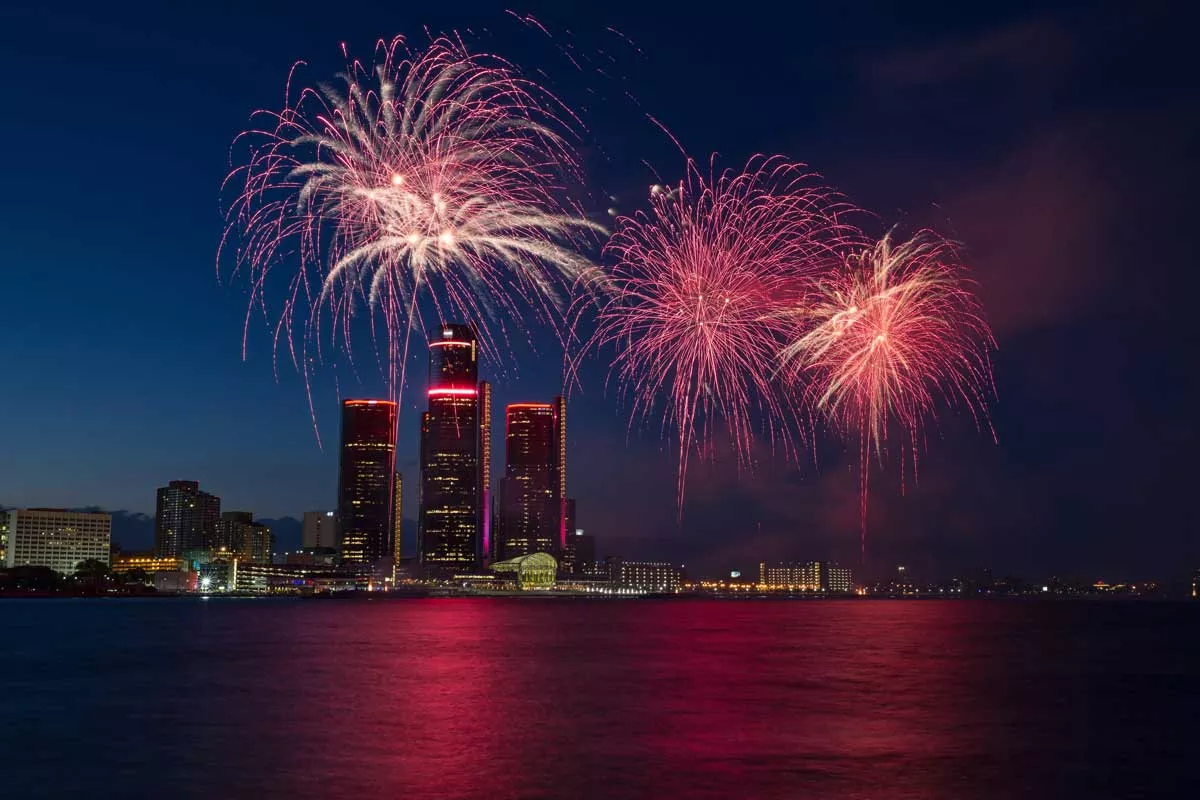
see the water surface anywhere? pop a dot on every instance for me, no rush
(514, 698)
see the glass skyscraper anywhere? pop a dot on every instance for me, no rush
(454, 487)
(366, 480)
(533, 500)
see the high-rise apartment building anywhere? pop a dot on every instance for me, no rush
(366, 475)
(185, 519)
(57, 538)
(533, 504)
(248, 541)
(3, 536)
(453, 518)
(320, 530)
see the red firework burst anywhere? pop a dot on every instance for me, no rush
(889, 336)
(695, 281)
(437, 174)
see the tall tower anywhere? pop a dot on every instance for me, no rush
(365, 477)
(397, 517)
(534, 493)
(453, 455)
(185, 518)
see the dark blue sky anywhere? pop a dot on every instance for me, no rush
(1056, 142)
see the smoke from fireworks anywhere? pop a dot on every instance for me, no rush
(887, 338)
(693, 281)
(438, 175)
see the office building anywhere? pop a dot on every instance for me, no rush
(581, 551)
(453, 516)
(185, 519)
(533, 508)
(320, 531)
(248, 541)
(645, 576)
(57, 538)
(806, 576)
(366, 473)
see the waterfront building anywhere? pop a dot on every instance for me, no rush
(185, 518)
(531, 571)
(805, 576)
(366, 472)
(645, 576)
(3, 536)
(57, 538)
(147, 562)
(248, 541)
(319, 531)
(175, 582)
(581, 551)
(533, 508)
(453, 518)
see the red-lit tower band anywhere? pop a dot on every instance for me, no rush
(454, 524)
(366, 482)
(533, 498)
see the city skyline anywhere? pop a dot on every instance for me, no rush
(1005, 127)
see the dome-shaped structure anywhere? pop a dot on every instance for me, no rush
(533, 571)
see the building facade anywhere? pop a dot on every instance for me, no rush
(453, 519)
(247, 540)
(805, 576)
(185, 518)
(57, 538)
(366, 474)
(533, 508)
(320, 531)
(645, 576)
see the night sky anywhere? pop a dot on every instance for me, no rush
(1057, 144)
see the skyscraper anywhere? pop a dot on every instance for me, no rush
(454, 455)
(397, 517)
(185, 519)
(534, 502)
(365, 481)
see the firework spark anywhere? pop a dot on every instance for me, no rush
(694, 279)
(887, 338)
(437, 174)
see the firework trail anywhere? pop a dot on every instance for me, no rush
(885, 339)
(693, 281)
(437, 175)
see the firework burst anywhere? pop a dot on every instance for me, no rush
(437, 174)
(693, 280)
(886, 338)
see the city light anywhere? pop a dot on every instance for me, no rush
(453, 392)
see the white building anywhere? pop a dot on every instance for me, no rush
(57, 538)
(645, 576)
(320, 529)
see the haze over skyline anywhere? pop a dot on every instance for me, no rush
(1054, 144)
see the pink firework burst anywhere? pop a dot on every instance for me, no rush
(887, 338)
(695, 280)
(437, 175)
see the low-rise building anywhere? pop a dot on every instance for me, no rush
(645, 576)
(804, 576)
